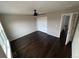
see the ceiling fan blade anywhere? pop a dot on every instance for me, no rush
(42, 14)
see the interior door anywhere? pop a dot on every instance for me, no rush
(68, 38)
(42, 24)
(4, 42)
(72, 27)
(66, 19)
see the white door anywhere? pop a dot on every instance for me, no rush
(64, 19)
(42, 24)
(72, 27)
(73, 17)
(4, 42)
(68, 38)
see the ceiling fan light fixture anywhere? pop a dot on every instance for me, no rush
(35, 13)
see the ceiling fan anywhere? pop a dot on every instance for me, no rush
(35, 13)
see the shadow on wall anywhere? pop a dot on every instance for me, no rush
(2, 54)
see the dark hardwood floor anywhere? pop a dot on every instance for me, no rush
(39, 45)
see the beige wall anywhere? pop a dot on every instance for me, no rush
(75, 43)
(54, 24)
(18, 25)
(54, 21)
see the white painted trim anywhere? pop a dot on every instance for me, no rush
(7, 49)
(61, 22)
(69, 27)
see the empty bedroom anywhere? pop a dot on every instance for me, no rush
(39, 29)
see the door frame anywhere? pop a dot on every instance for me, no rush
(61, 24)
(7, 48)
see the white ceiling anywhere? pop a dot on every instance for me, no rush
(27, 7)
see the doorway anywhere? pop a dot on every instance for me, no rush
(68, 22)
(64, 28)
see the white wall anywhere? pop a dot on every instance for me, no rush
(41, 23)
(54, 21)
(54, 24)
(75, 43)
(18, 25)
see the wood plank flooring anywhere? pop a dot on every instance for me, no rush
(39, 45)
